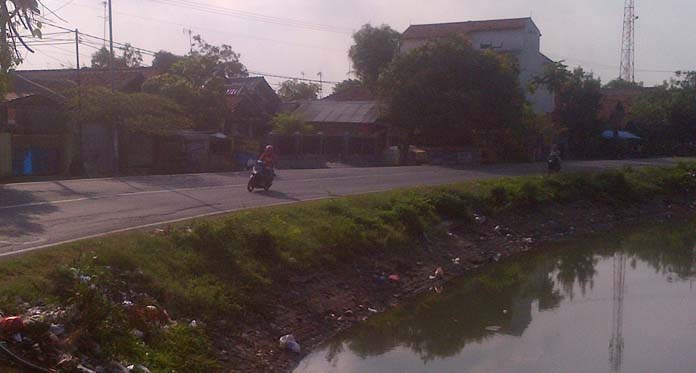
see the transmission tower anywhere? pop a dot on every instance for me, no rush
(628, 46)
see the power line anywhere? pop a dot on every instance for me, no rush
(256, 17)
(243, 36)
(152, 53)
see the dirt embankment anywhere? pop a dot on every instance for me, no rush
(316, 306)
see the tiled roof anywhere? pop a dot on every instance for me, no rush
(323, 111)
(437, 30)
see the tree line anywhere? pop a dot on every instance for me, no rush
(445, 93)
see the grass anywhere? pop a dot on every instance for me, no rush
(231, 267)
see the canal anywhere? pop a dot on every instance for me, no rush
(619, 302)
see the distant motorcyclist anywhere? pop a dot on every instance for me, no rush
(269, 159)
(554, 161)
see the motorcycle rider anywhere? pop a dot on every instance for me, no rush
(554, 160)
(269, 159)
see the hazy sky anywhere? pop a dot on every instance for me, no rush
(586, 33)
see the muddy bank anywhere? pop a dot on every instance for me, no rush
(315, 306)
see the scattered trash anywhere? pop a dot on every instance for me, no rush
(528, 240)
(496, 257)
(57, 329)
(439, 273)
(193, 324)
(138, 369)
(138, 334)
(456, 261)
(394, 278)
(11, 325)
(159, 232)
(480, 219)
(83, 369)
(505, 312)
(493, 328)
(85, 279)
(372, 310)
(288, 342)
(438, 289)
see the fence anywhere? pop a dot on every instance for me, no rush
(338, 147)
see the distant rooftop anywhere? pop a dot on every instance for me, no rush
(357, 112)
(437, 30)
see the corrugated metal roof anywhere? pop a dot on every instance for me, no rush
(339, 111)
(438, 30)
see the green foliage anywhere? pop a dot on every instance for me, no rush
(197, 81)
(231, 267)
(666, 117)
(622, 84)
(289, 124)
(17, 18)
(347, 86)
(578, 99)
(373, 49)
(136, 112)
(291, 90)
(164, 60)
(448, 87)
(130, 57)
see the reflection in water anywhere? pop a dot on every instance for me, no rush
(616, 345)
(540, 312)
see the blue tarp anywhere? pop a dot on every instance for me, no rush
(623, 135)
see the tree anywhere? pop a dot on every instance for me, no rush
(289, 124)
(448, 93)
(665, 117)
(578, 97)
(347, 85)
(197, 82)
(134, 112)
(291, 90)
(17, 18)
(622, 84)
(163, 60)
(130, 57)
(373, 49)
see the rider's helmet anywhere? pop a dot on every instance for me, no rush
(269, 149)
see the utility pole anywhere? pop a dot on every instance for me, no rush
(79, 101)
(321, 84)
(189, 32)
(104, 36)
(111, 47)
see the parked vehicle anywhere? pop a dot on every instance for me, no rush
(261, 177)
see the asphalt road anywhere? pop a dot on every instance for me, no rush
(43, 214)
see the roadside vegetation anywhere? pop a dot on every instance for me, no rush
(111, 294)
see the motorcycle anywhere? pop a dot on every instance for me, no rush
(261, 178)
(554, 163)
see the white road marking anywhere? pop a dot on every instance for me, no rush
(161, 191)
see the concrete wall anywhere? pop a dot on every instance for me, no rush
(5, 155)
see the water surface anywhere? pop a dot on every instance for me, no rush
(622, 302)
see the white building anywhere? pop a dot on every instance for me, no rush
(519, 37)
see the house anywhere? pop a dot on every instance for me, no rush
(128, 80)
(251, 104)
(343, 129)
(518, 37)
(33, 132)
